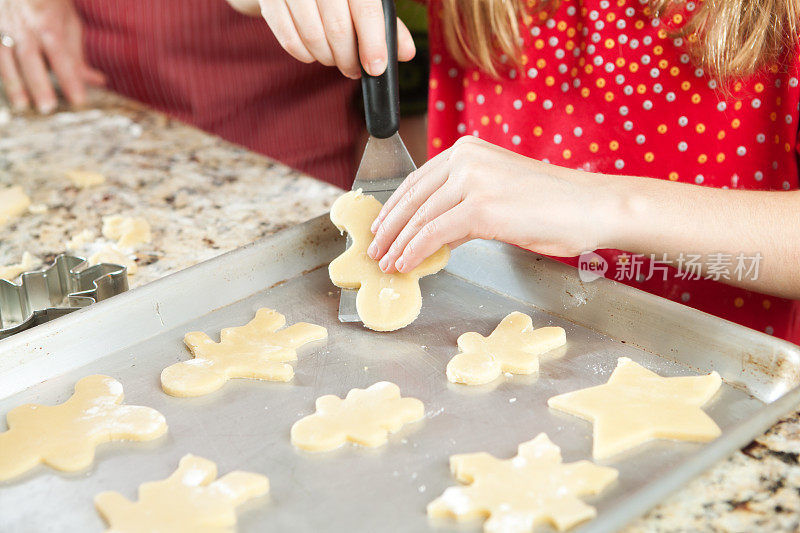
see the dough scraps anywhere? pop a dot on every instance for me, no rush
(514, 346)
(112, 254)
(517, 494)
(65, 436)
(385, 302)
(365, 417)
(84, 179)
(129, 232)
(637, 405)
(191, 499)
(13, 203)
(10, 272)
(256, 350)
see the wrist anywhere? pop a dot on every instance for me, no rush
(619, 209)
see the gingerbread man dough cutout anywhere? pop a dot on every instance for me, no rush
(191, 500)
(65, 436)
(514, 347)
(385, 302)
(637, 405)
(256, 350)
(517, 494)
(365, 417)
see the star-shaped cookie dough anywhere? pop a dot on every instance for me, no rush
(385, 302)
(65, 436)
(517, 494)
(514, 346)
(260, 350)
(365, 417)
(637, 405)
(190, 500)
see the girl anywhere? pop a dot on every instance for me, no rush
(571, 108)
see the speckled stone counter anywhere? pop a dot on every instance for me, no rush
(203, 196)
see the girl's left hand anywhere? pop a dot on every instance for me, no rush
(476, 190)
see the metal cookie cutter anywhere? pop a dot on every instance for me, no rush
(65, 286)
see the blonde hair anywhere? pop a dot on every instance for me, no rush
(730, 38)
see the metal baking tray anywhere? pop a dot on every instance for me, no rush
(245, 425)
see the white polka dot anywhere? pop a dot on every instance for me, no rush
(476, 133)
(593, 14)
(682, 146)
(685, 58)
(722, 106)
(698, 72)
(712, 84)
(741, 151)
(504, 58)
(683, 121)
(761, 138)
(591, 48)
(571, 10)
(516, 139)
(654, 72)
(597, 61)
(619, 164)
(678, 42)
(628, 90)
(547, 104)
(685, 296)
(609, 67)
(670, 96)
(769, 330)
(564, 87)
(640, 139)
(599, 25)
(792, 82)
(655, 22)
(699, 178)
(774, 165)
(480, 99)
(690, 6)
(552, 41)
(535, 31)
(512, 74)
(629, 12)
(562, 68)
(627, 125)
(599, 118)
(518, 104)
(604, 4)
(532, 72)
(647, 40)
(756, 103)
(462, 128)
(437, 58)
(557, 138)
(734, 180)
(439, 105)
(645, 59)
(648, 105)
(550, 23)
(546, 160)
(505, 128)
(620, 79)
(623, 110)
(622, 38)
(621, 24)
(576, 82)
(596, 37)
(560, 54)
(460, 105)
(786, 185)
(758, 175)
(778, 82)
(788, 119)
(634, 43)
(658, 88)
(578, 131)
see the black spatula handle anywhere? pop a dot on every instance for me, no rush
(381, 93)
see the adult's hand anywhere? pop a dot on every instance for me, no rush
(476, 190)
(336, 32)
(42, 35)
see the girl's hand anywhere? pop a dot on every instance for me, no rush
(42, 33)
(475, 190)
(335, 32)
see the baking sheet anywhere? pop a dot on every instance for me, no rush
(246, 424)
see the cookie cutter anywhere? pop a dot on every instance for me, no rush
(67, 285)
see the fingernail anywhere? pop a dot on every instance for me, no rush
(374, 227)
(377, 66)
(400, 264)
(18, 107)
(372, 250)
(46, 108)
(384, 263)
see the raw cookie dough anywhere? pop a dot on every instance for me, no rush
(256, 350)
(637, 405)
(514, 346)
(385, 302)
(129, 232)
(190, 500)
(12, 271)
(84, 179)
(64, 436)
(112, 254)
(365, 417)
(13, 203)
(517, 494)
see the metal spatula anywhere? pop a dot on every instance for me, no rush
(386, 162)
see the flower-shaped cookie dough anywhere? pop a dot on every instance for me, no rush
(385, 302)
(365, 417)
(514, 347)
(517, 494)
(189, 500)
(256, 350)
(65, 436)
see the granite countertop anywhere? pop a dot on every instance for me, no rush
(204, 196)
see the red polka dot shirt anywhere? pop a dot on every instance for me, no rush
(605, 87)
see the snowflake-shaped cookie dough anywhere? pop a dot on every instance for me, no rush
(514, 347)
(517, 494)
(637, 405)
(65, 436)
(365, 417)
(256, 350)
(191, 500)
(385, 302)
